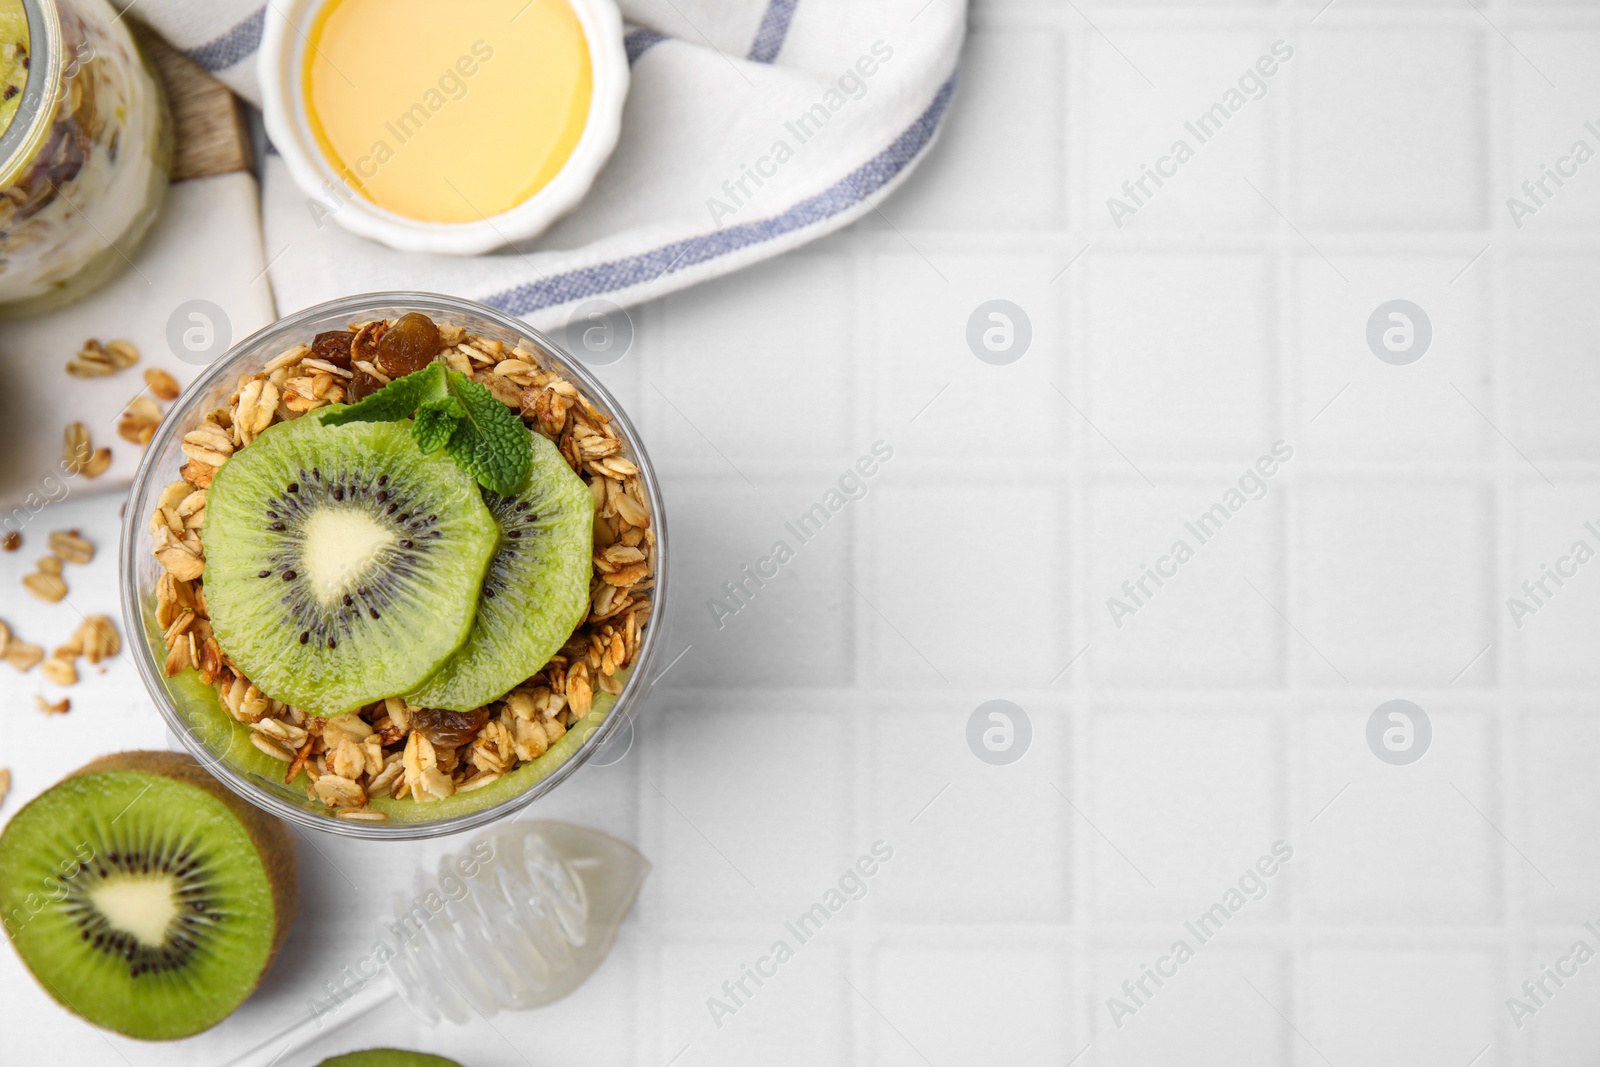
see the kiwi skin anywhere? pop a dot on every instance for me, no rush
(388, 1057)
(271, 838)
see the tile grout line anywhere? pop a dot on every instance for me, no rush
(1294, 957)
(862, 934)
(1512, 903)
(1074, 299)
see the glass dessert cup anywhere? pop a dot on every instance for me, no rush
(192, 708)
(85, 161)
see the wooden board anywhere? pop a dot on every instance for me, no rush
(211, 136)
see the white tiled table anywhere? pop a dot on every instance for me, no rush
(1226, 715)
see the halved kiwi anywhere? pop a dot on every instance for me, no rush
(342, 565)
(535, 593)
(388, 1057)
(144, 896)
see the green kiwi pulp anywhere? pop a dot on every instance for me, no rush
(144, 896)
(511, 784)
(388, 1057)
(230, 740)
(342, 565)
(224, 735)
(535, 593)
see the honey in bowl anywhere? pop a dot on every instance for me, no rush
(451, 112)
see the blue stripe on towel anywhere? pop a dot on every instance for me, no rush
(636, 270)
(638, 42)
(774, 28)
(243, 40)
(235, 46)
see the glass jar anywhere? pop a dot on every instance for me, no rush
(84, 162)
(192, 709)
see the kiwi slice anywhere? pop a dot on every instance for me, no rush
(342, 565)
(535, 593)
(144, 896)
(226, 736)
(230, 739)
(388, 1057)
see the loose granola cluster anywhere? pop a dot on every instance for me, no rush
(139, 420)
(391, 748)
(96, 638)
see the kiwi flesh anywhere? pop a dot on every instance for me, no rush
(388, 1057)
(144, 896)
(224, 735)
(535, 593)
(509, 785)
(230, 740)
(342, 565)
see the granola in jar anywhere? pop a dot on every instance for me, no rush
(84, 161)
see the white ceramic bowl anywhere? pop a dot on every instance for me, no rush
(284, 41)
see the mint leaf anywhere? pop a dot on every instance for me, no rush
(436, 421)
(490, 442)
(395, 401)
(453, 412)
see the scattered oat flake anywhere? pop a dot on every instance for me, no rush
(5, 784)
(23, 657)
(122, 353)
(98, 463)
(76, 448)
(71, 546)
(163, 386)
(59, 671)
(47, 587)
(98, 638)
(93, 360)
(139, 421)
(59, 707)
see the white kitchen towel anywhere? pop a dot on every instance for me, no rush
(751, 128)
